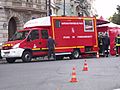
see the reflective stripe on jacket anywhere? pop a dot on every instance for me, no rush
(117, 44)
(117, 41)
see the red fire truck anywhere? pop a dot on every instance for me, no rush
(74, 36)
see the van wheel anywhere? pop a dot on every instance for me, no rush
(27, 56)
(10, 60)
(75, 54)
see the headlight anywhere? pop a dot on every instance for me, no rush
(1, 44)
(16, 46)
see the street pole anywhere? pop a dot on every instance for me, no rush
(50, 12)
(64, 9)
(46, 8)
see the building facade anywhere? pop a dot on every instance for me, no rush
(81, 7)
(14, 13)
(54, 7)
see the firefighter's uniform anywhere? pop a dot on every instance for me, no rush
(100, 44)
(117, 43)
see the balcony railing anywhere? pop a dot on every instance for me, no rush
(29, 4)
(18, 4)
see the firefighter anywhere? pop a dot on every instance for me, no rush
(100, 43)
(117, 44)
(51, 48)
(106, 44)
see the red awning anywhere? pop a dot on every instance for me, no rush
(101, 21)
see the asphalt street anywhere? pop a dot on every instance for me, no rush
(103, 74)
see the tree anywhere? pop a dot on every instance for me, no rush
(116, 17)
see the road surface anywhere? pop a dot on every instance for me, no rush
(102, 74)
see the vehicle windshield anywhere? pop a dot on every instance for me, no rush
(19, 35)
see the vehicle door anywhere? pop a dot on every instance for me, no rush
(33, 41)
(43, 40)
(38, 42)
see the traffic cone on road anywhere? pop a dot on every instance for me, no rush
(85, 68)
(97, 55)
(73, 79)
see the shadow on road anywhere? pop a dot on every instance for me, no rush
(34, 61)
(37, 60)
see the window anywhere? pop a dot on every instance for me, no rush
(34, 34)
(39, 1)
(44, 34)
(57, 24)
(88, 25)
(29, 0)
(19, 35)
(36, 1)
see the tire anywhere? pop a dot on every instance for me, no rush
(10, 60)
(27, 56)
(75, 54)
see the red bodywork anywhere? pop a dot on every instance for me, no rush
(71, 35)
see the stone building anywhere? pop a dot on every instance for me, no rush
(83, 7)
(14, 13)
(54, 7)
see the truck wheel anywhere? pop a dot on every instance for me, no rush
(75, 54)
(10, 60)
(27, 56)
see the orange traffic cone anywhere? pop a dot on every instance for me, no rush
(97, 55)
(85, 68)
(73, 79)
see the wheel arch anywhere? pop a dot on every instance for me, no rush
(27, 55)
(76, 53)
(77, 49)
(26, 49)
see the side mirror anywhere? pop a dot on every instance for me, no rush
(9, 39)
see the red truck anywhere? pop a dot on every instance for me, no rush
(74, 36)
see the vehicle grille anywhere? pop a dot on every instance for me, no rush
(7, 47)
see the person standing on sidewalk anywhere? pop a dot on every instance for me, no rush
(51, 48)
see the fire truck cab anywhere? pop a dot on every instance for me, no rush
(74, 36)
